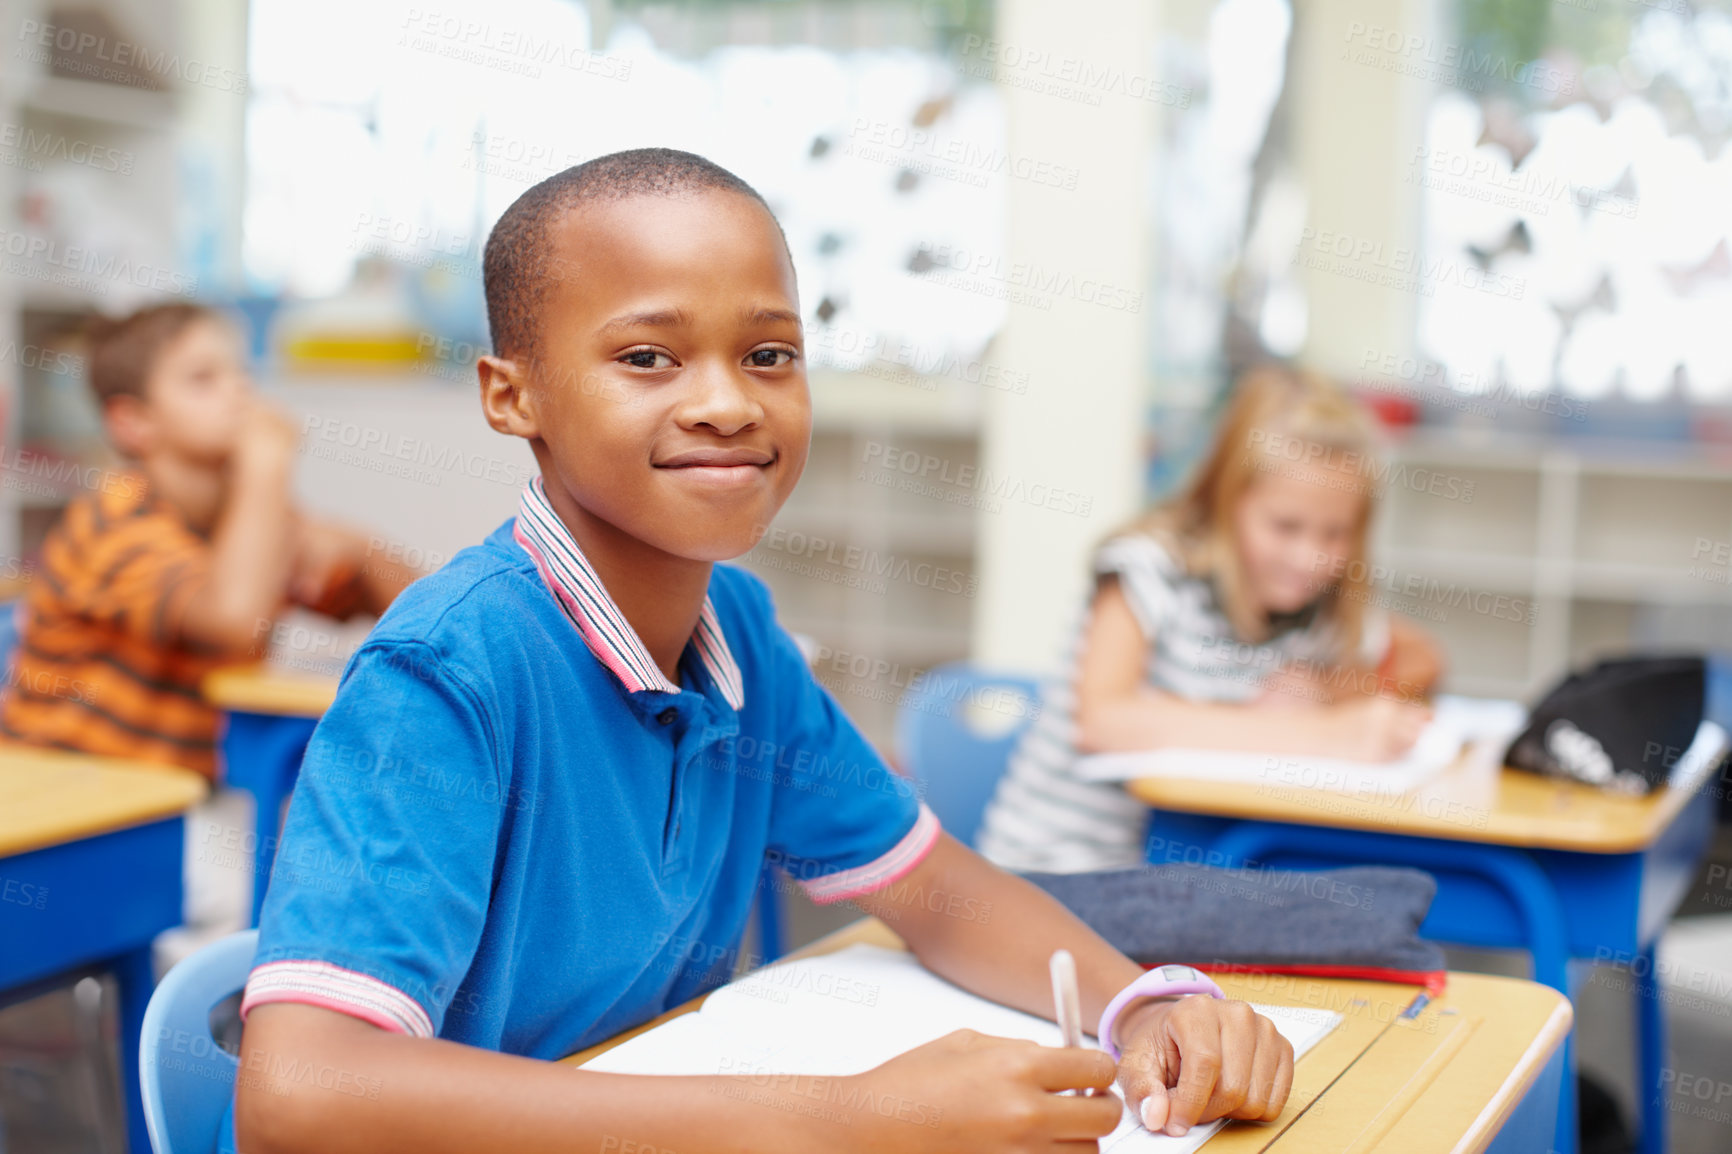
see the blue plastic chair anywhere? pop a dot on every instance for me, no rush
(187, 1078)
(9, 630)
(955, 732)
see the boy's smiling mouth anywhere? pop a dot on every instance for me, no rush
(740, 466)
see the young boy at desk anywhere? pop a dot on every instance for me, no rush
(180, 563)
(609, 732)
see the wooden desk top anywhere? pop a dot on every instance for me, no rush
(1465, 802)
(262, 689)
(48, 797)
(1442, 1081)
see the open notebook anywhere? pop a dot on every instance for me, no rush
(1484, 728)
(846, 1012)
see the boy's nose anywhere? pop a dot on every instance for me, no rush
(722, 401)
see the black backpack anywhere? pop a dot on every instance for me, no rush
(1622, 725)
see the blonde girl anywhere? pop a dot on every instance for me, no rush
(1235, 616)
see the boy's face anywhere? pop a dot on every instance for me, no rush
(669, 393)
(195, 397)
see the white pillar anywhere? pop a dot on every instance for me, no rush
(1076, 79)
(1357, 121)
(212, 125)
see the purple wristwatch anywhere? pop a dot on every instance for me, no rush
(1159, 982)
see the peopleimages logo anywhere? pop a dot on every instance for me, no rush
(1480, 177)
(1447, 62)
(953, 157)
(1398, 267)
(961, 482)
(94, 57)
(873, 567)
(31, 147)
(47, 253)
(521, 51)
(1020, 282)
(42, 359)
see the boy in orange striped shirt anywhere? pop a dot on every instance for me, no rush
(180, 564)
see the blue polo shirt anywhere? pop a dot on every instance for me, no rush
(512, 831)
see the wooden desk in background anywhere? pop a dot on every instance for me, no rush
(1556, 868)
(91, 852)
(262, 690)
(269, 716)
(1478, 1068)
(1463, 803)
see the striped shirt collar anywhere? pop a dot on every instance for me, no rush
(586, 603)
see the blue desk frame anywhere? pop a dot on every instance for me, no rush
(1560, 906)
(262, 755)
(1531, 1126)
(103, 900)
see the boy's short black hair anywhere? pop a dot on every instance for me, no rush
(518, 261)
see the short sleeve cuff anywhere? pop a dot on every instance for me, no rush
(882, 870)
(334, 988)
(1146, 573)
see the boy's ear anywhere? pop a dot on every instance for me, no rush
(506, 396)
(130, 425)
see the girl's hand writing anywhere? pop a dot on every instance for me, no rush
(1377, 728)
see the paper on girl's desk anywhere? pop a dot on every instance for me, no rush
(1484, 727)
(846, 1012)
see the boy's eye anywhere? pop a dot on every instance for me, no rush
(769, 358)
(647, 359)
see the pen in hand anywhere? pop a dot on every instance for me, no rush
(1067, 1006)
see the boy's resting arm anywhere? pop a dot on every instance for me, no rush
(393, 1092)
(382, 579)
(339, 571)
(238, 598)
(375, 1092)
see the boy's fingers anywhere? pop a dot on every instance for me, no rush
(1084, 1118)
(1142, 1077)
(1199, 1069)
(1154, 1108)
(1242, 1039)
(1066, 1068)
(1283, 1084)
(1265, 1065)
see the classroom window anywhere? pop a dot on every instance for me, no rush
(1588, 207)
(882, 156)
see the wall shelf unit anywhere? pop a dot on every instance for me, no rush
(1606, 545)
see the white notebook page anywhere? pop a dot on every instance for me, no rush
(846, 1012)
(1483, 727)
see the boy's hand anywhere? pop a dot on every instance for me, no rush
(268, 436)
(971, 1091)
(1194, 1059)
